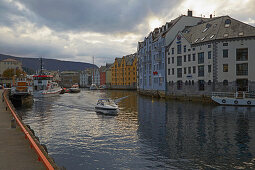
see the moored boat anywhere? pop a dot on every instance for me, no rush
(75, 89)
(45, 87)
(237, 99)
(93, 87)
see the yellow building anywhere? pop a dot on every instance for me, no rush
(124, 71)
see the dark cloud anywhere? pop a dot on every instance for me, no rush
(104, 16)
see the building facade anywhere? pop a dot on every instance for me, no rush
(124, 72)
(151, 53)
(69, 78)
(109, 75)
(86, 78)
(216, 55)
(102, 70)
(96, 77)
(9, 64)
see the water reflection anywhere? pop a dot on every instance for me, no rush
(147, 133)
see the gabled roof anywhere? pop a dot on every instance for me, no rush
(9, 59)
(217, 29)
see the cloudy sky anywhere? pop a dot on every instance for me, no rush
(76, 30)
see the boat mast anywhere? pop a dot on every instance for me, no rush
(41, 66)
(93, 72)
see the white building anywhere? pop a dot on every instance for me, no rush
(9, 64)
(216, 55)
(86, 78)
(96, 77)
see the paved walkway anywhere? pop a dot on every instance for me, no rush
(15, 151)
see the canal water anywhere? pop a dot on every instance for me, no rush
(147, 134)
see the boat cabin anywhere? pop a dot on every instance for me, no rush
(42, 82)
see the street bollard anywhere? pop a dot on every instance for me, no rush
(13, 123)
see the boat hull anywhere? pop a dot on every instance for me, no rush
(43, 93)
(74, 90)
(233, 101)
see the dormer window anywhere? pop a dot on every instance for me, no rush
(240, 33)
(212, 36)
(196, 40)
(227, 23)
(202, 39)
(226, 35)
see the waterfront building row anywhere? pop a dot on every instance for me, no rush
(198, 57)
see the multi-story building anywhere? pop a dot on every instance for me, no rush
(102, 70)
(86, 78)
(151, 53)
(68, 78)
(108, 75)
(217, 55)
(9, 64)
(96, 77)
(124, 72)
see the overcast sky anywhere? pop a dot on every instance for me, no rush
(76, 30)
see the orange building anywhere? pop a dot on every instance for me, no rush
(124, 72)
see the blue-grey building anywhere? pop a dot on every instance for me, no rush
(152, 52)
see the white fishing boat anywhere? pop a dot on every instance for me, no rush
(21, 86)
(75, 89)
(106, 106)
(237, 98)
(44, 86)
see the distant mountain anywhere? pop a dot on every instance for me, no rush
(49, 64)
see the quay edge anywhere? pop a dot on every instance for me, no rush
(6, 93)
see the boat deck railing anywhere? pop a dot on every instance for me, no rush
(236, 95)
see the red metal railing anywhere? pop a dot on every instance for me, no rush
(41, 156)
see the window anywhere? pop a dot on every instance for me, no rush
(242, 69)
(227, 23)
(184, 48)
(225, 53)
(194, 69)
(201, 58)
(184, 58)
(185, 69)
(195, 42)
(209, 54)
(172, 71)
(179, 49)
(240, 34)
(192, 82)
(209, 68)
(209, 45)
(168, 71)
(200, 71)
(194, 57)
(225, 44)
(209, 82)
(179, 60)
(172, 50)
(179, 85)
(172, 60)
(161, 80)
(242, 54)
(225, 82)
(201, 85)
(193, 49)
(212, 37)
(149, 80)
(189, 57)
(226, 35)
(179, 72)
(168, 60)
(225, 67)
(186, 82)
(189, 70)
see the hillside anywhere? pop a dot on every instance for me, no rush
(49, 64)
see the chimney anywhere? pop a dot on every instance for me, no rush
(189, 13)
(210, 15)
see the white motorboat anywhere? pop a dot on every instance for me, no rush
(93, 87)
(237, 99)
(106, 106)
(75, 89)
